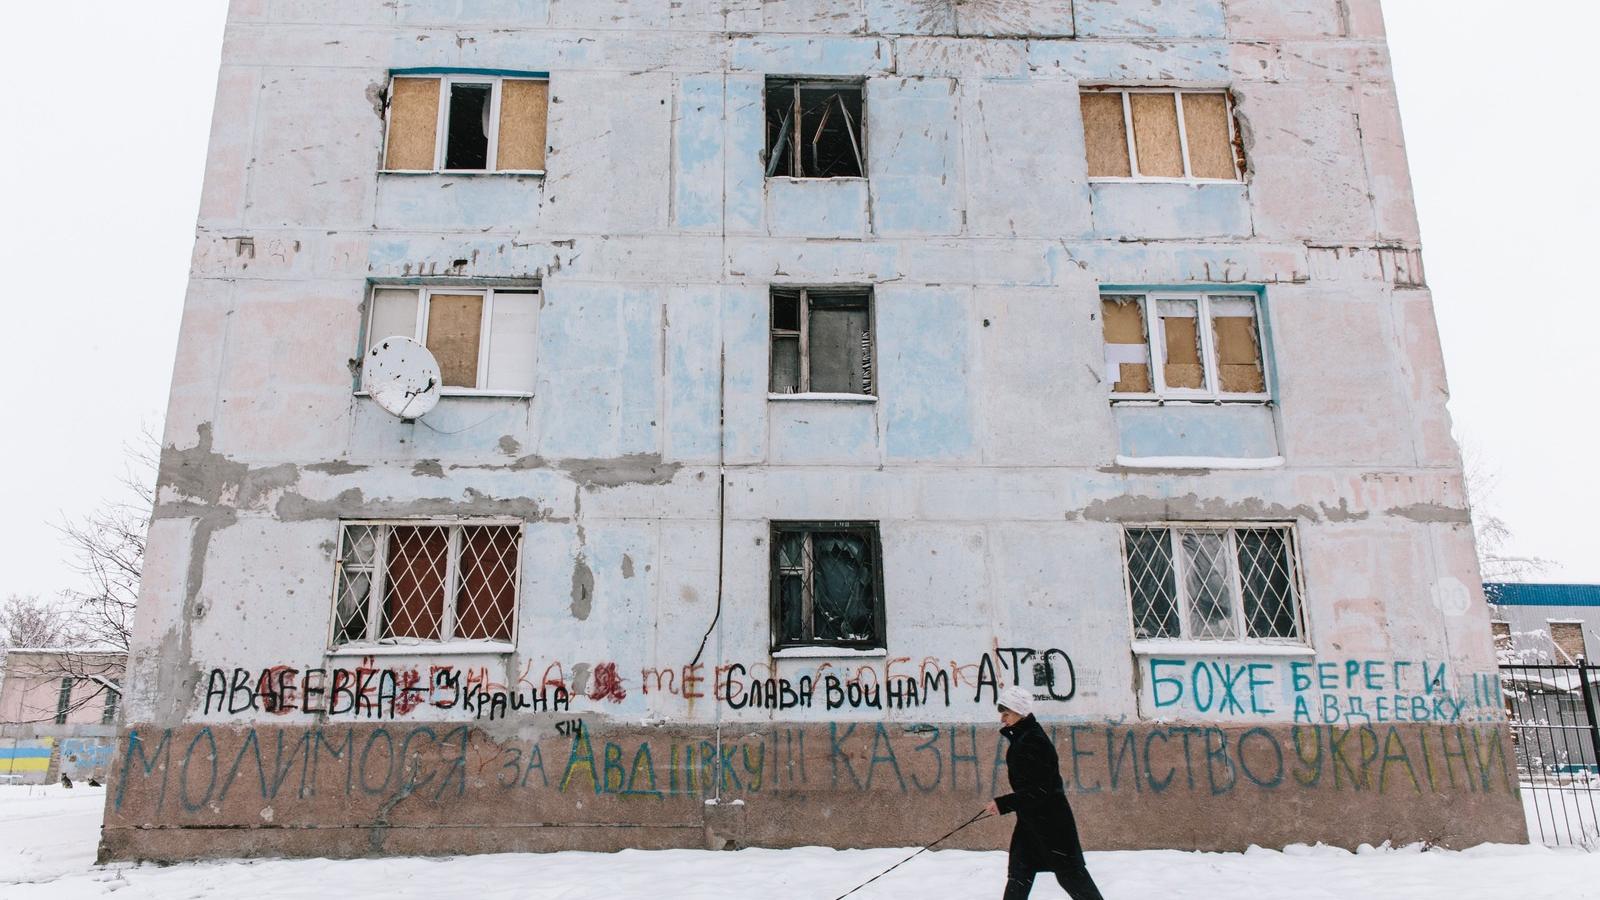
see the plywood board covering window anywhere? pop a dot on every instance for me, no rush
(484, 339)
(1202, 347)
(1152, 134)
(467, 123)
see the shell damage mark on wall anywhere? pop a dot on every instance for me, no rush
(582, 588)
(509, 445)
(627, 566)
(428, 468)
(636, 468)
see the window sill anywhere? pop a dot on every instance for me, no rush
(814, 178)
(469, 173)
(1218, 648)
(480, 395)
(1199, 462)
(1114, 179)
(425, 648)
(1152, 400)
(829, 653)
(836, 398)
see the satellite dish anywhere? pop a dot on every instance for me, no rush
(402, 377)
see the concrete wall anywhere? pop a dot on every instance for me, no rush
(650, 448)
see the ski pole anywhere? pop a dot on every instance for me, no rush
(925, 847)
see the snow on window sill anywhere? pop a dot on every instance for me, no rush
(828, 653)
(841, 398)
(425, 648)
(1199, 462)
(1218, 648)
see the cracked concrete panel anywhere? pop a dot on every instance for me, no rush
(1150, 19)
(1026, 141)
(1039, 414)
(160, 625)
(925, 346)
(1133, 62)
(915, 164)
(957, 58)
(599, 347)
(271, 580)
(313, 162)
(1339, 400)
(609, 158)
(813, 16)
(1307, 175)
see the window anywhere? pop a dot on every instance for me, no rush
(113, 693)
(1207, 347)
(483, 338)
(821, 341)
(1176, 135)
(1213, 583)
(466, 123)
(815, 129)
(409, 582)
(64, 701)
(826, 585)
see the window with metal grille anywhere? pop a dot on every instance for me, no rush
(827, 585)
(410, 582)
(821, 341)
(1204, 347)
(1161, 134)
(1213, 583)
(815, 129)
(485, 339)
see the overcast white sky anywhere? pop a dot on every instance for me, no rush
(101, 182)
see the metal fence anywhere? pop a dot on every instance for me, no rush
(1556, 732)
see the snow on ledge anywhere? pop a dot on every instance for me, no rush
(1218, 648)
(1199, 462)
(826, 653)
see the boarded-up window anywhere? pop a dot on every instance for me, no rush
(1233, 322)
(1105, 134)
(1180, 339)
(413, 123)
(821, 341)
(454, 324)
(1127, 345)
(426, 582)
(826, 585)
(467, 123)
(1185, 135)
(815, 129)
(1568, 639)
(483, 339)
(1198, 346)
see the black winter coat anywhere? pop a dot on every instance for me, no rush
(1046, 837)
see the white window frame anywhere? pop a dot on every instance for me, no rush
(1156, 347)
(1235, 588)
(374, 645)
(420, 333)
(1183, 136)
(441, 129)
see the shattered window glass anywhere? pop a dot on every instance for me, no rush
(825, 586)
(815, 129)
(467, 140)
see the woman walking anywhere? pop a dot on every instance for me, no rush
(1046, 836)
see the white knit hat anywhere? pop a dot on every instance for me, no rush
(1017, 700)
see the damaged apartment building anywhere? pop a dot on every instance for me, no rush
(807, 372)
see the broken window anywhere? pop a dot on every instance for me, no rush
(821, 341)
(402, 582)
(466, 123)
(1170, 135)
(483, 338)
(1202, 347)
(815, 129)
(826, 585)
(1221, 583)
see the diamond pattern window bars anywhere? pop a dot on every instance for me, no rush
(1213, 583)
(405, 582)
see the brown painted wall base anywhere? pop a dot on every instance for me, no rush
(404, 788)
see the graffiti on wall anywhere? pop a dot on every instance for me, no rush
(199, 767)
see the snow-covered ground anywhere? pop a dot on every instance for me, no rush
(48, 835)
